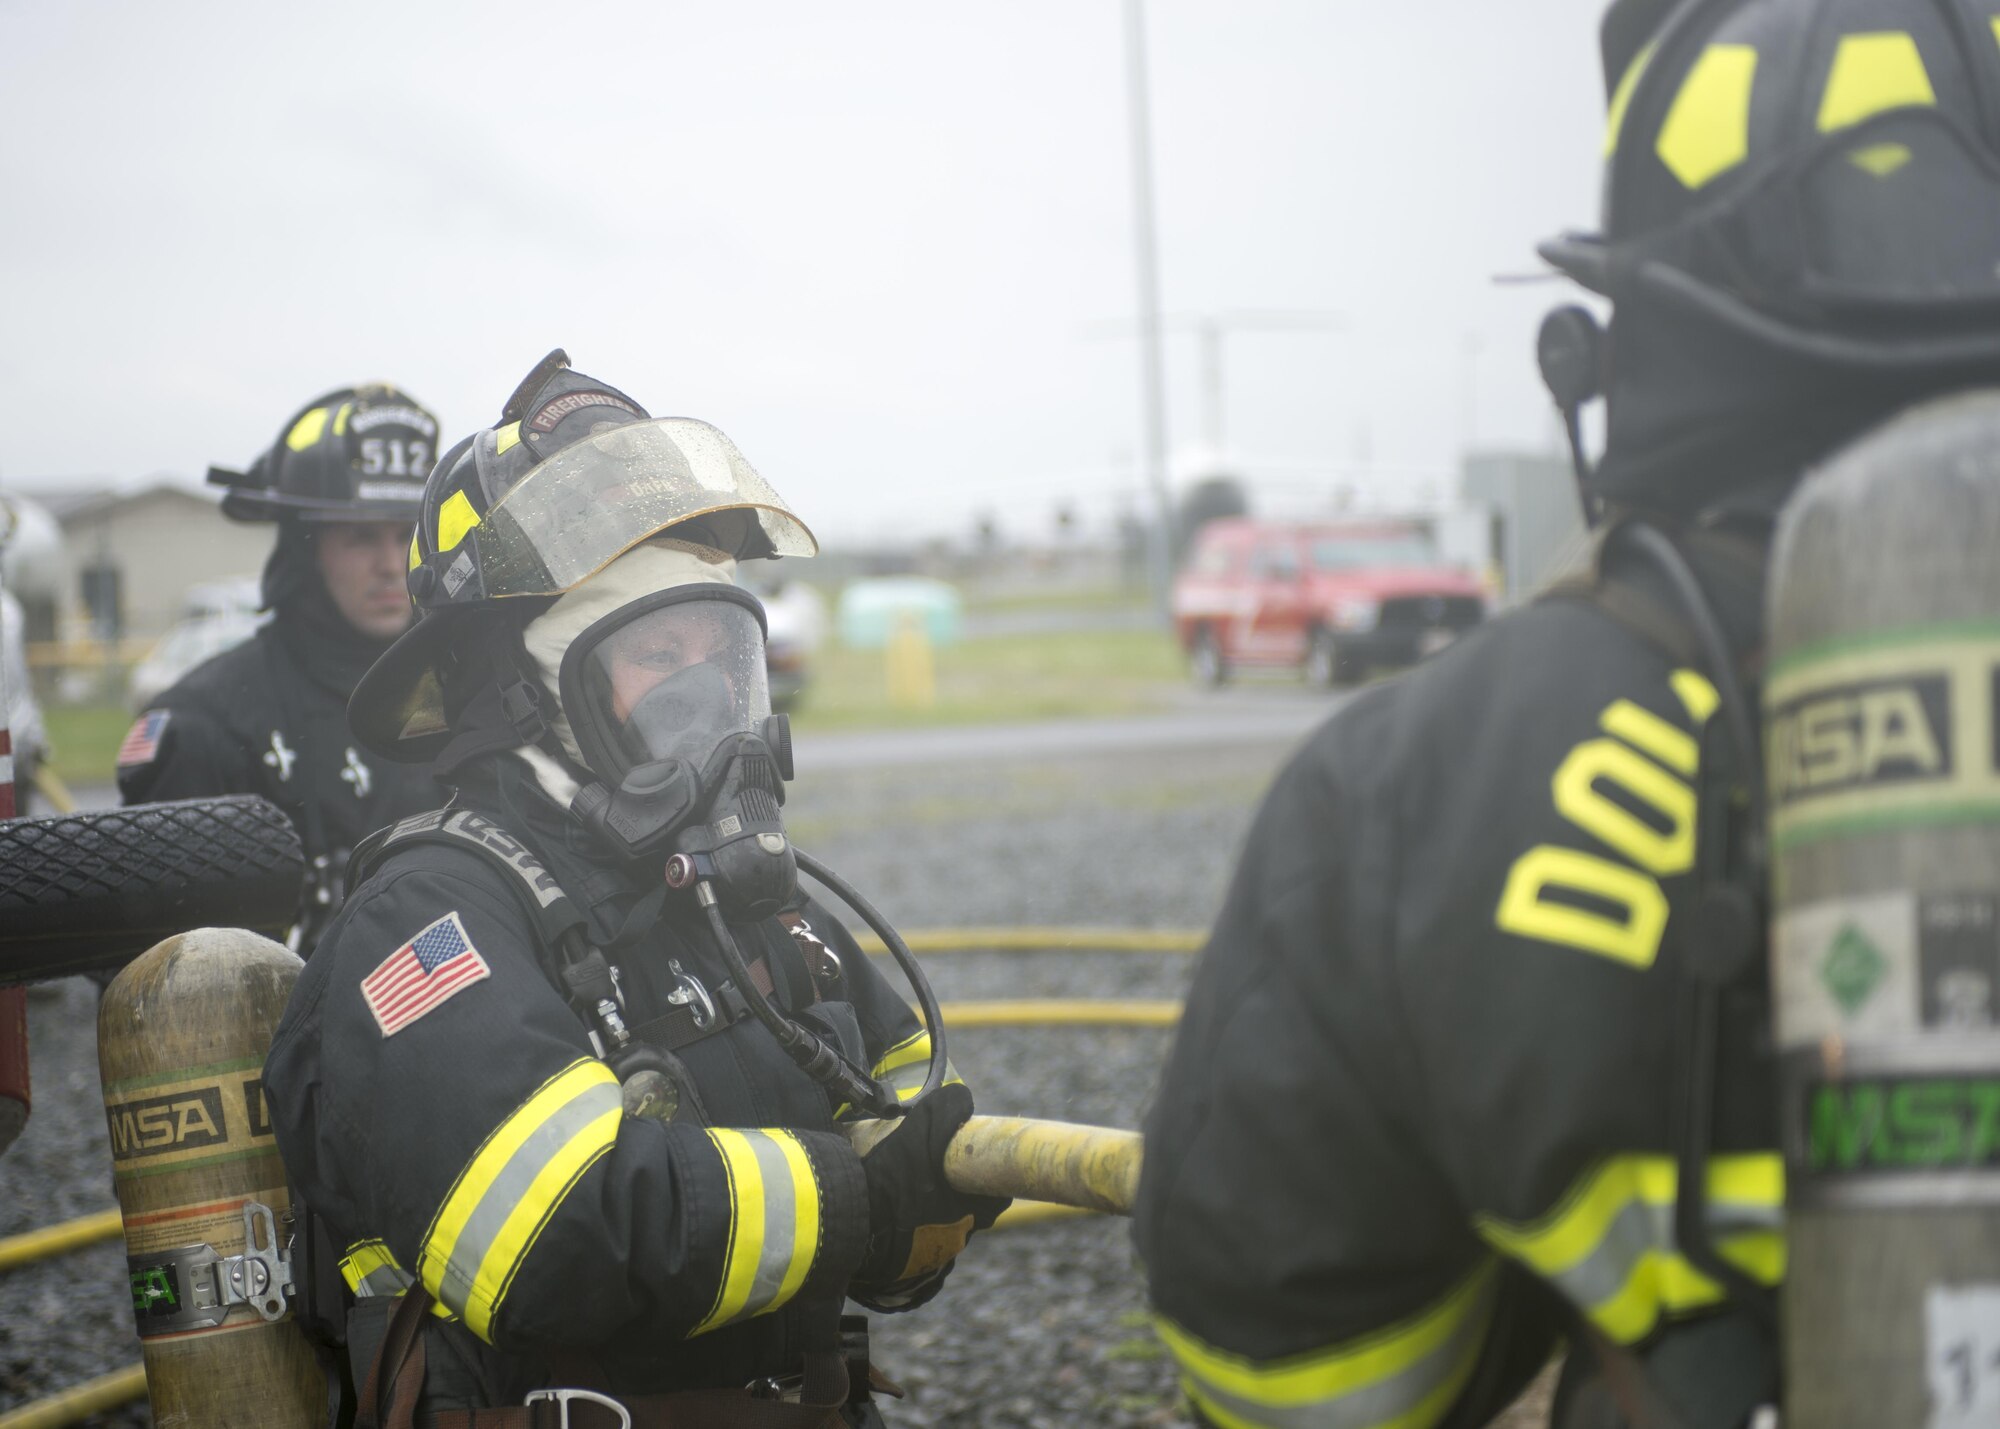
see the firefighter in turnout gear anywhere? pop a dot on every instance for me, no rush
(269, 717)
(1477, 1060)
(523, 1086)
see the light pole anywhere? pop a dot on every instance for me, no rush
(1152, 379)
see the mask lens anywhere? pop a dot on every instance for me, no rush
(675, 680)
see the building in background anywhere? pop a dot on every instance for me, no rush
(1534, 524)
(130, 557)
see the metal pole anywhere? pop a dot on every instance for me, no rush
(1211, 330)
(1152, 377)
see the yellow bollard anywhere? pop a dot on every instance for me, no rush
(911, 670)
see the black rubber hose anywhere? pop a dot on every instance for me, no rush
(814, 1057)
(82, 892)
(898, 949)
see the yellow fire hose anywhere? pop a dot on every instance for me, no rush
(30, 1246)
(1033, 940)
(71, 1406)
(1060, 1012)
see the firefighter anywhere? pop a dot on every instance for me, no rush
(446, 1084)
(1477, 1060)
(269, 717)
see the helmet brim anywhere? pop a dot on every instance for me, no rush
(1584, 258)
(397, 709)
(255, 506)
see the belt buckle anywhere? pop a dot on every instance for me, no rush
(563, 1398)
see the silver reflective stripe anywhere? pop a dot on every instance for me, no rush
(781, 1225)
(1413, 1397)
(1643, 1229)
(389, 1279)
(515, 1179)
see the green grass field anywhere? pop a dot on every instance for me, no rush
(86, 738)
(1000, 680)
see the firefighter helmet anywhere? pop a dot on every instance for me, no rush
(355, 454)
(574, 474)
(1800, 229)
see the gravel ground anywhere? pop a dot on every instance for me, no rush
(1042, 1326)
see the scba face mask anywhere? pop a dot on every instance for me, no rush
(669, 677)
(668, 704)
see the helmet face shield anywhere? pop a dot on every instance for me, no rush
(669, 676)
(593, 500)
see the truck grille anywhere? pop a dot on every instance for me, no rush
(1430, 612)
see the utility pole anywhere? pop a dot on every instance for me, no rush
(1152, 377)
(1212, 331)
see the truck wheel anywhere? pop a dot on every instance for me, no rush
(1205, 660)
(1325, 666)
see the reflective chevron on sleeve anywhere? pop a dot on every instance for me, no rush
(1609, 1244)
(512, 1186)
(1406, 1376)
(774, 1223)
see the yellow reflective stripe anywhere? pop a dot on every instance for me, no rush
(523, 1224)
(455, 518)
(774, 1223)
(512, 1185)
(905, 1065)
(1405, 1376)
(307, 429)
(1610, 1246)
(1621, 99)
(416, 556)
(340, 419)
(805, 1242)
(916, 1048)
(1707, 130)
(1872, 73)
(506, 438)
(369, 1268)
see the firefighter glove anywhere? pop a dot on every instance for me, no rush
(917, 1222)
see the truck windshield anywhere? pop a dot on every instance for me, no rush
(1346, 553)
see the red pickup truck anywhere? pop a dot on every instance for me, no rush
(1334, 599)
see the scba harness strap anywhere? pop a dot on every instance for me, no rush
(576, 968)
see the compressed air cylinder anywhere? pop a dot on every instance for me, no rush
(181, 1036)
(1883, 769)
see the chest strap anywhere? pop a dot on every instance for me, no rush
(541, 897)
(585, 981)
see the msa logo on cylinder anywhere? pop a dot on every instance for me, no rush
(178, 1121)
(1852, 736)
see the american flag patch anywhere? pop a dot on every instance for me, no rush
(423, 974)
(142, 740)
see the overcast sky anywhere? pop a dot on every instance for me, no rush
(885, 246)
